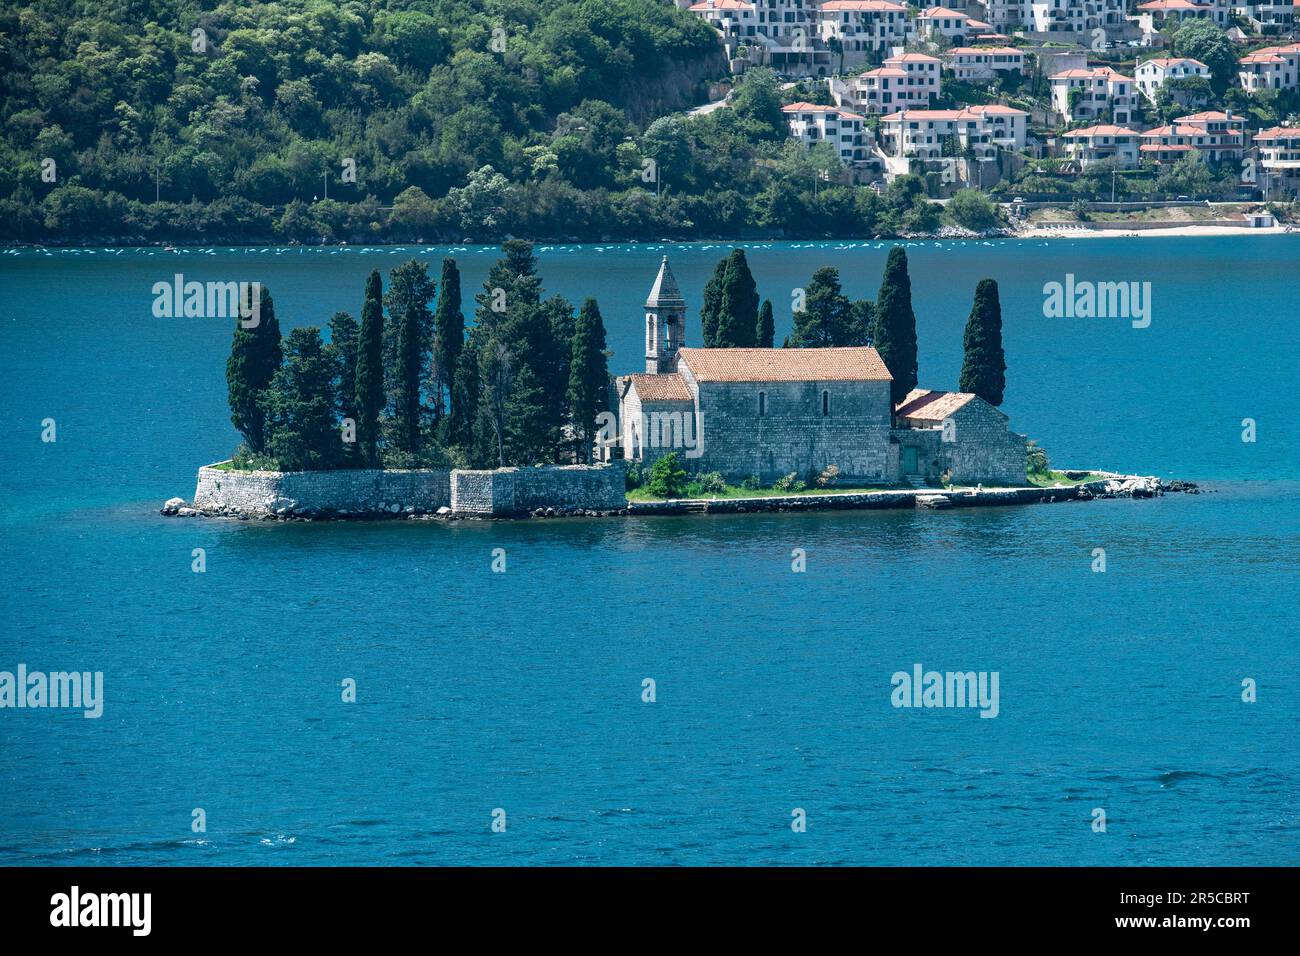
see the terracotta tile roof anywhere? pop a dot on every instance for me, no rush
(1207, 116)
(661, 388)
(879, 6)
(721, 5)
(913, 58)
(819, 108)
(1279, 132)
(931, 406)
(966, 113)
(856, 364)
(940, 12)
(1091, 131)
(999, 50)
(1169, 5)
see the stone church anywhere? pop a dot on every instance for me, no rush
(772, 412)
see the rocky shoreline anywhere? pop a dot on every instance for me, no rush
(1109, 486)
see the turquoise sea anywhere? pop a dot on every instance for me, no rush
(522, 691)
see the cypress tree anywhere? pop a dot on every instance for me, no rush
(459, 424)
(369, 386)
(410, 290)
(342, 352)
(894, 327)
(984, 365)
(712, 307)
(254, 358)
(449, 336)
(588, 377)
(765, 334)
(737, 317)
(300, 405)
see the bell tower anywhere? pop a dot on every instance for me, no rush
(665, 323)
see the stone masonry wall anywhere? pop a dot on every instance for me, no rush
(793, 435)
(981, 449)
(564, 488)
(375, 493)
(361, 492)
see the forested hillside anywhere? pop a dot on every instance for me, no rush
(234, 114)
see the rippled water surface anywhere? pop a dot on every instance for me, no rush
(522, 691)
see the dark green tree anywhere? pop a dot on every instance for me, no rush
(410, 290)
(254, 358)
(342, 351)
(729, 316)
(894, 327)
(369, 385)
(448, 337)
(738, 313)
(826, 318)
(300, 405)
(588, 378)
(861, 319)
(528, 439)
(765, 334)
(984, 365)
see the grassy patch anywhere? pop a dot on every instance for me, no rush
(735, 491)
(1050, 479)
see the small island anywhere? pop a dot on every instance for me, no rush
(410, 414)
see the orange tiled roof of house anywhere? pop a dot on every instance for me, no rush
(1279, 132)
(968, 112)
(928, 405)
(819, 108)
(935, 13)
(661, 388)
(1000, 50)
(721, 5)
(1100, 130)
(880, 6)
(849, 364)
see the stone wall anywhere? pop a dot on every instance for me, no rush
(980, 449)
(560, 488)
(346, 493)
(792, 434)
(368, 494)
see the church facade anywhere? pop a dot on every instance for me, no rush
(767, 413)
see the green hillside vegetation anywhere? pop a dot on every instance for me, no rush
(440, 120)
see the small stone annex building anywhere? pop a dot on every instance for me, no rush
(772, 412)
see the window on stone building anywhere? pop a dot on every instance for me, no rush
(826, 403)
(762, 404)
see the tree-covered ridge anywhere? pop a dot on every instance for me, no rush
(252, 106)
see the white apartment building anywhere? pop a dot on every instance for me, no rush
(1097, 143)
(797, 36)
(1279, 153)
(1272, 68)
(1152, 16)
(1094, 93)
(941, 23)
(846, 132)
(983, 63)
(906, 81)
(1154, 73)
(929, 135)
(1268, 16)
(1225, 133)
(1078, 17)
(862, 26)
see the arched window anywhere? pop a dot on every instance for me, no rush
(826, 403)
(762, 404)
